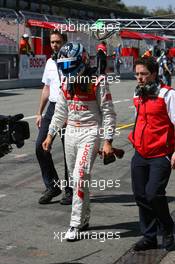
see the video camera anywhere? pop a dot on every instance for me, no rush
(12, 131)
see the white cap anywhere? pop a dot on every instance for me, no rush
(25, 35)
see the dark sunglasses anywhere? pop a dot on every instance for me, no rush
(56, 41)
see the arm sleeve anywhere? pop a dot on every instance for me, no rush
(106, 106)
(170, 104)
(60, 115)
(45, 78)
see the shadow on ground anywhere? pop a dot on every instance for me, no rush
(5, 94)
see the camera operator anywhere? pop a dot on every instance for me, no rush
(12, 131)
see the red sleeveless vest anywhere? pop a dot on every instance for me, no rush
(153, 135)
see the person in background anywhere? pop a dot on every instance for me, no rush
(160, 63)
(167, 65)
(50, 95)
(117, 58)
(157, 50)
(25, 47)
(102, 57)
(153, 138)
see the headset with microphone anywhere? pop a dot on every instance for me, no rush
(150, 90)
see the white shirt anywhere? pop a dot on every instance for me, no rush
(51, 78)
(170, 104)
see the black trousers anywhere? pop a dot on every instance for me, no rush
(149, 180)
(101, 65)
(45, 160)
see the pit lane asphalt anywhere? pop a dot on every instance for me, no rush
(29, 231)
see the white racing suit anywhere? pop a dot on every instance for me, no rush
(84, 113)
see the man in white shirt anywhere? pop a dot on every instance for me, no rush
(50, 95)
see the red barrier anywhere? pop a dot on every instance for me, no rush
(37, 45)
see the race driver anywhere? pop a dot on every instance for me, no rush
(85, 105)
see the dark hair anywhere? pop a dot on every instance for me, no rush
(103, 42)
(62, 35)
(150, 63)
